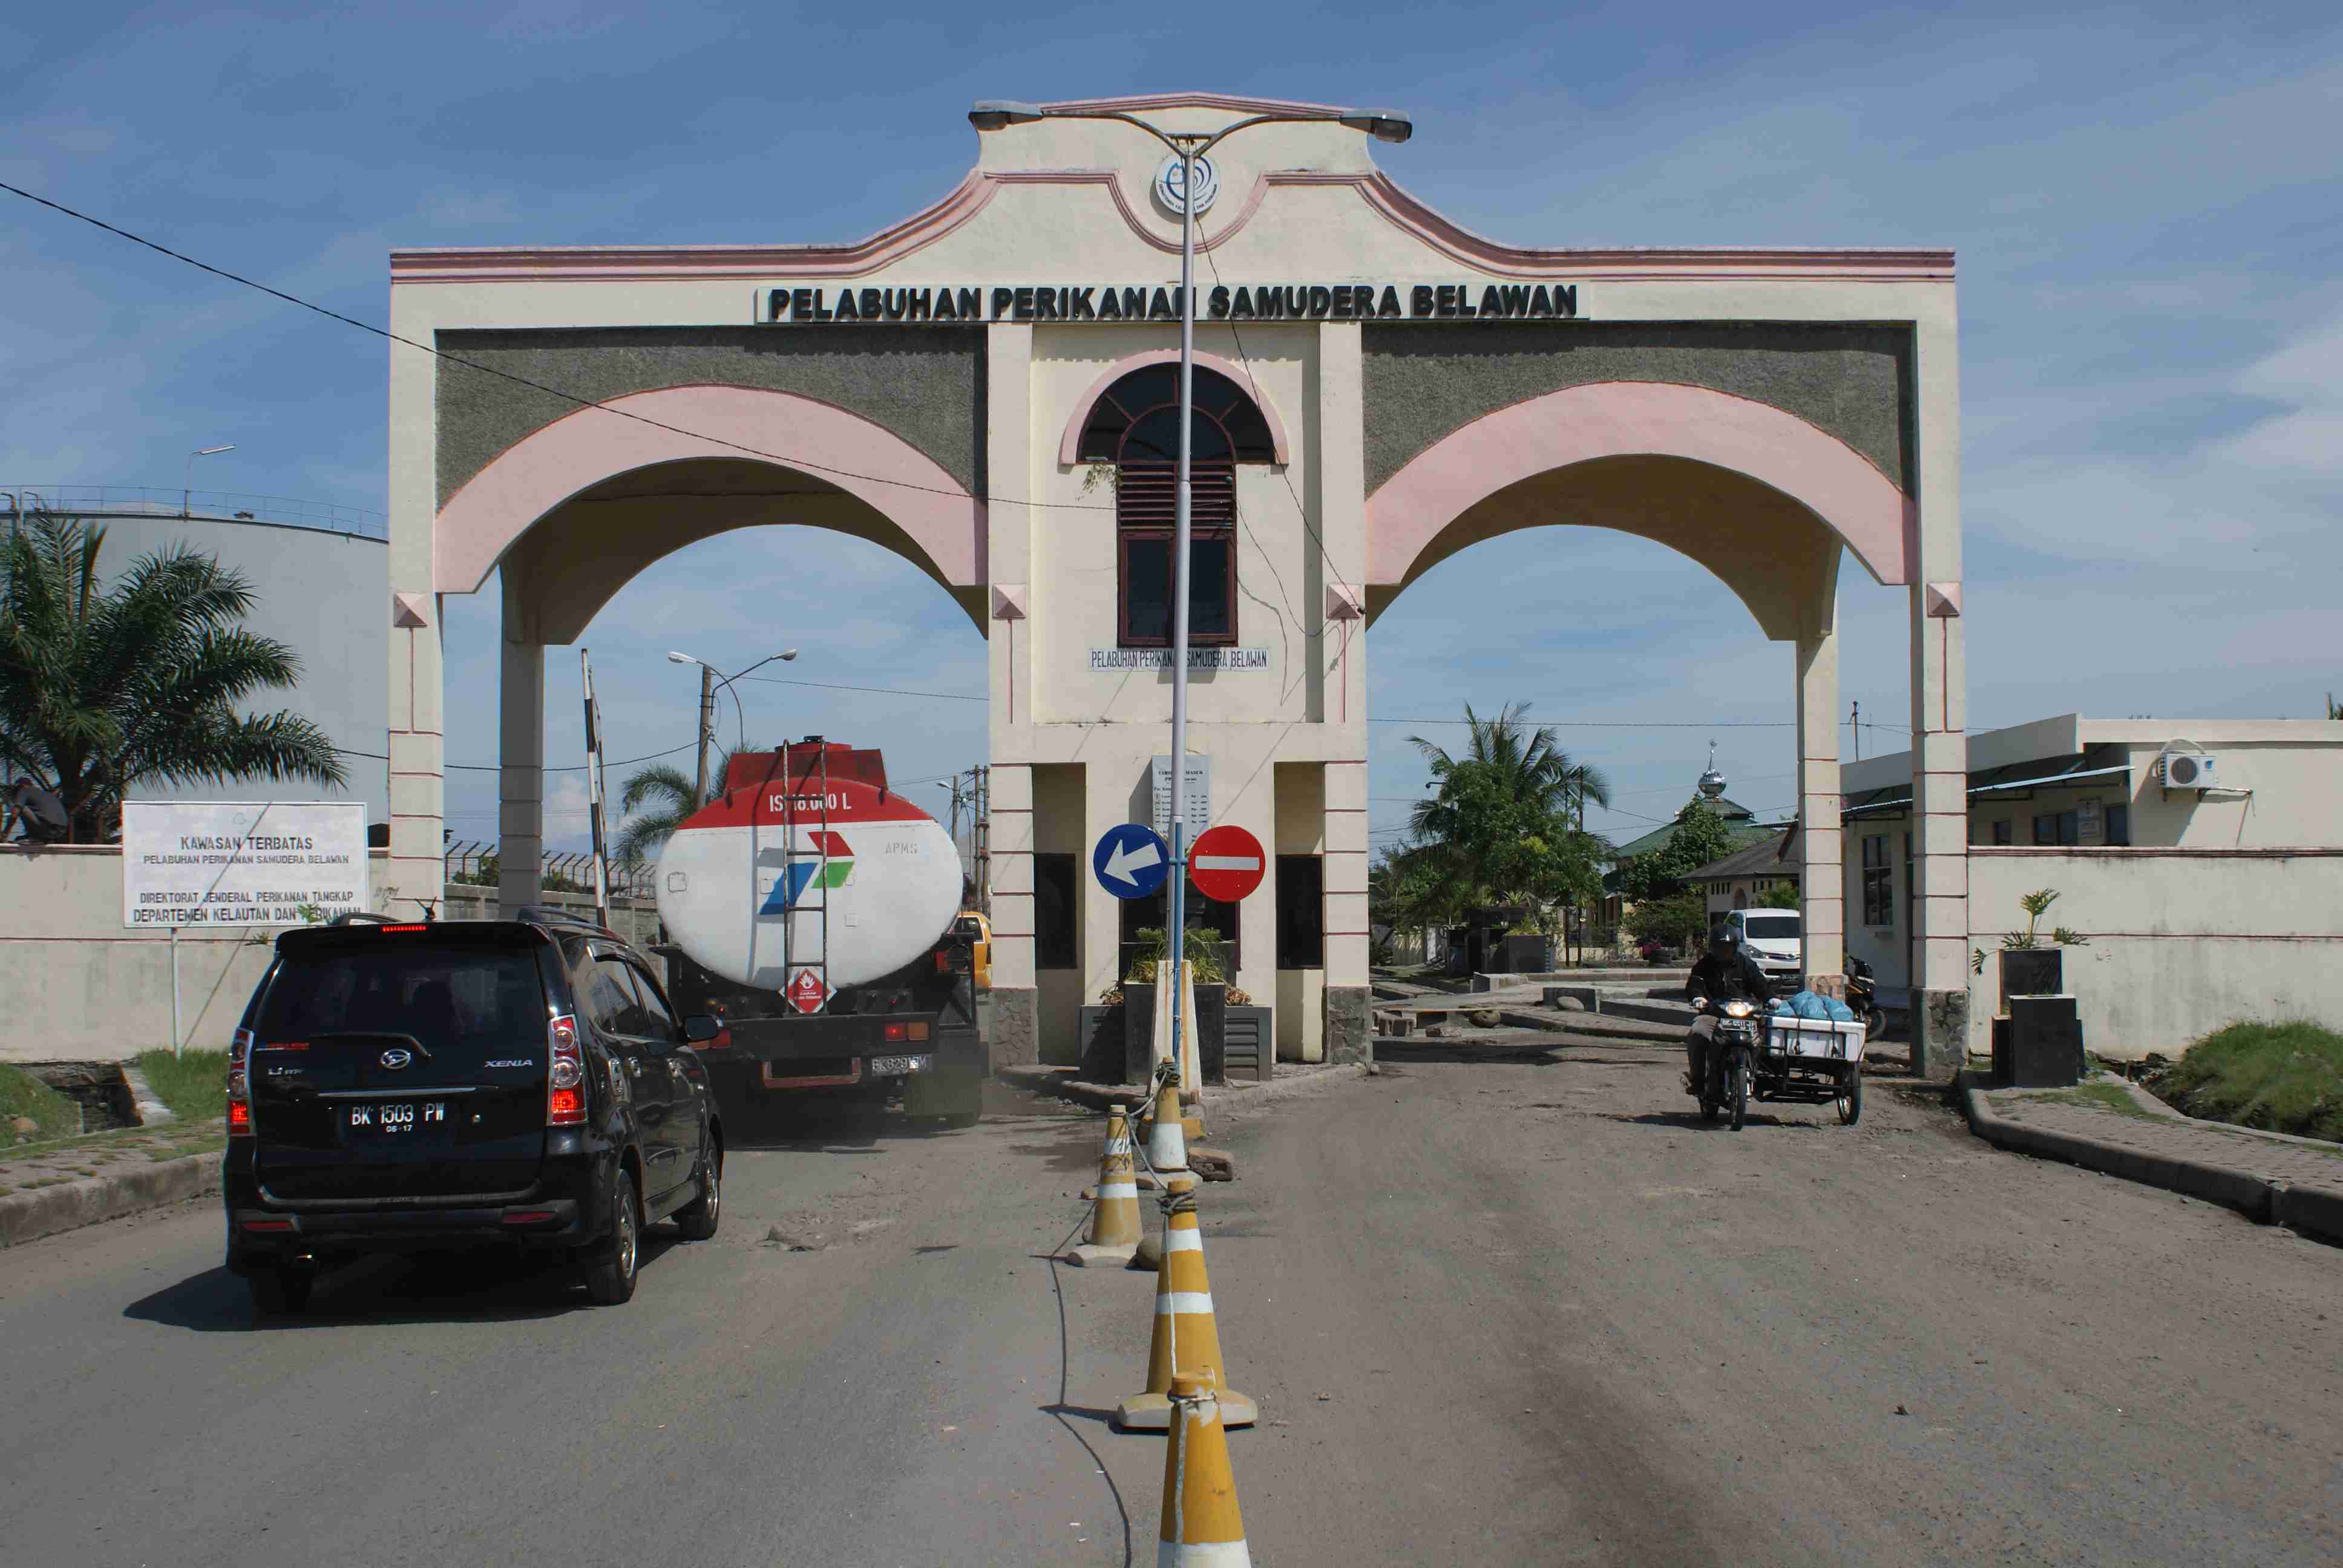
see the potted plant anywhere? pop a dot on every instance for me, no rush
(2030, 964)
(1207, 956)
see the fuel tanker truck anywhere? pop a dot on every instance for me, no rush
(815, 913)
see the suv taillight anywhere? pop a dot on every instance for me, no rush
(564, 1078)
(239, 1084)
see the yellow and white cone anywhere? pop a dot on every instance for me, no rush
(1167, 1154)
(1167, 1142)
(1202, 1525)
(1114, 1211)
(1187, 1340)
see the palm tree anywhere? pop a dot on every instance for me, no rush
(1507, 818)
(668, 792)
(103, 691)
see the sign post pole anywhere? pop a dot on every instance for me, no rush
(175, 990)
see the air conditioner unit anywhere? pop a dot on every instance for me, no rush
(2189, 770)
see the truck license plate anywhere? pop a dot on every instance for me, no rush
(896, 1066)
(397, 1118)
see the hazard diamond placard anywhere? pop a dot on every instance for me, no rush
(806, 992)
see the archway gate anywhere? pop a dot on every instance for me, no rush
(1762, 412)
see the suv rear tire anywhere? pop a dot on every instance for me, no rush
(610, 1271)
(280, 1293)
(697, 1220)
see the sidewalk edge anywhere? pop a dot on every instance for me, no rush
(93, 1199)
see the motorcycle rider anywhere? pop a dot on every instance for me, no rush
(1727, 971)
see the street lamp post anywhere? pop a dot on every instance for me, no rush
(709, 684)
(1384, 125)
(188, 476)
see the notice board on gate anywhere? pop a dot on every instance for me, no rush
(242, 862)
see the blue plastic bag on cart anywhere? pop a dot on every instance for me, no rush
(1829, 1009)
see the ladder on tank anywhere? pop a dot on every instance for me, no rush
(817, 879)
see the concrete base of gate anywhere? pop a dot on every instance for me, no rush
(1016, 1026)
(1940, 1034)
(1350, 1039)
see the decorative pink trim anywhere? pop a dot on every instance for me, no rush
(1196, 101)
(504, 500)
(1072, 439)
(584, 263)
(1636, 418)
(776, 263)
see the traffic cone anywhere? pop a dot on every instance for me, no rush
(1167, 1154)
(1202, 1525)
(1167, 1142)
(1114, 1212)
(1187, 1338)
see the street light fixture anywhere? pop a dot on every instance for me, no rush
(709, 684)
(187, 487)
(1384, 125)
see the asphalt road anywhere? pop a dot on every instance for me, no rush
(1515, 1307)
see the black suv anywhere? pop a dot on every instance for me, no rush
(411, 1087)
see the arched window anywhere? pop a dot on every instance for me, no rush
(1135, 425)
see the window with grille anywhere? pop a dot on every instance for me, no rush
(1135, 425)
(1878, 882)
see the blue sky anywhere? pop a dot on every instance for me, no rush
(2147, 204)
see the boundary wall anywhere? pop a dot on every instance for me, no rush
(2182, 941)
(77, 986)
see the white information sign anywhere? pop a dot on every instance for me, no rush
(1200, 661)
(241, 863)
(1197, 790)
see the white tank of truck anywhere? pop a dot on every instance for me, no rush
(805, 860)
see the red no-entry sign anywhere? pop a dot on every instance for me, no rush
(1226, 863)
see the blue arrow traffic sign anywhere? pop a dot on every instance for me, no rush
(1130, 861)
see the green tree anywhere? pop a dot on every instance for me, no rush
(142, 684)
(1678, 919)
(667, 793)
(1701, 836)
(1780, 896)
(1503, 823)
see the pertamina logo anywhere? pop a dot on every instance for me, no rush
(828, 867)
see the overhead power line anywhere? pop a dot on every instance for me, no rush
(385, 334)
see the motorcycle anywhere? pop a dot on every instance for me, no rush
(1733, 1050)
(1781, 1056)
(1863, 996)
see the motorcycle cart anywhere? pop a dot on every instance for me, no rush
(1809, 1060)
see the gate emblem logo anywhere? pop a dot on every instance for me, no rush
(396, 1057)
(790, 887)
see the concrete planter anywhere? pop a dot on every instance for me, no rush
(1098, 1035)
(2032, 971)
(1139, 1030)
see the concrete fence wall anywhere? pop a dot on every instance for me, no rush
(2182, 941)
(75, 986)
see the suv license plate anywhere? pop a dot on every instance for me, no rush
(896, 1066)
(399, 1117)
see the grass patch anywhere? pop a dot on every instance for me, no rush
(51, 1113)
(2280, 1077)
(193, 1085)
(2099, 1097)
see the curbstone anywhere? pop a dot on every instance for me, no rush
(2254, 1197)
(68, 1206)
(2313, 1212)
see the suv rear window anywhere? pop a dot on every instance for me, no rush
(465, 1001)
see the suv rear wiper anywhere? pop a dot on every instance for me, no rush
(421, 1050)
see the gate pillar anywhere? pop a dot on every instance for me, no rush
(1822, 888)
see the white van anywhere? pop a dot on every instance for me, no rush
(1774, 938)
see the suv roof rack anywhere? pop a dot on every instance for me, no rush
(554, 915)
